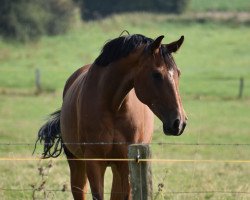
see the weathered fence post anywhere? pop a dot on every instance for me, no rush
(241, 87)
(140, 172)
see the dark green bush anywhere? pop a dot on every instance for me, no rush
(29, 19)
(96, 8)
(60, 16)
(21, 19)
(172, 6)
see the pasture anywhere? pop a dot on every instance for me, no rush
(220, 5)
(213, 58)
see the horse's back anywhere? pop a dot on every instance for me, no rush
(74, 76)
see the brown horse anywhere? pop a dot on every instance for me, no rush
(110, 104)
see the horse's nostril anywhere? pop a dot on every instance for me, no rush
(176, 124)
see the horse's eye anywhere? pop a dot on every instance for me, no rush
(157, 76)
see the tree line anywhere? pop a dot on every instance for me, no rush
(26, 20)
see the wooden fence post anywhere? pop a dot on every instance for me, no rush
(241, 87)
(140, 172)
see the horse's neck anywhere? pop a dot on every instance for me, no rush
(121, 88)
(115, 83)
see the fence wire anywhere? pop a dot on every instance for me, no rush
(168, 192)
(126, 159)
(127, 143)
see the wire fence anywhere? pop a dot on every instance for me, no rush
(126, 159)
(153, 160)
(169, 192)
(127, 143)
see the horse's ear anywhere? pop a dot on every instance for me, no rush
(154, 47)
(174, 46)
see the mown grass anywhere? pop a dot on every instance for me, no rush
(213, 58)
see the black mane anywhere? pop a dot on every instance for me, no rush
(120, 47)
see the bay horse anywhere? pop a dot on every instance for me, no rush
(110, 104)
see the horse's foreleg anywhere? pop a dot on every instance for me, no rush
(120, 185)
(78, 177)
(95, 173)
(116, 191)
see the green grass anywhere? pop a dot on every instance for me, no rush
(220, 5)
(213, 58)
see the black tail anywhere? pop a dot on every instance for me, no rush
(50, 135)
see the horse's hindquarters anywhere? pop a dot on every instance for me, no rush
(69, 129)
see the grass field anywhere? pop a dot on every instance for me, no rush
(220, 5)
(213, 58)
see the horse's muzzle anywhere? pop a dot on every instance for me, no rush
(176, 129)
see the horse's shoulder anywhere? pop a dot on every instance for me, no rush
(74, 76)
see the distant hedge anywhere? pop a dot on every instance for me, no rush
(92, 9)
(29, 19)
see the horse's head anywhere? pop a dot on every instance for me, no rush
(157, 85)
